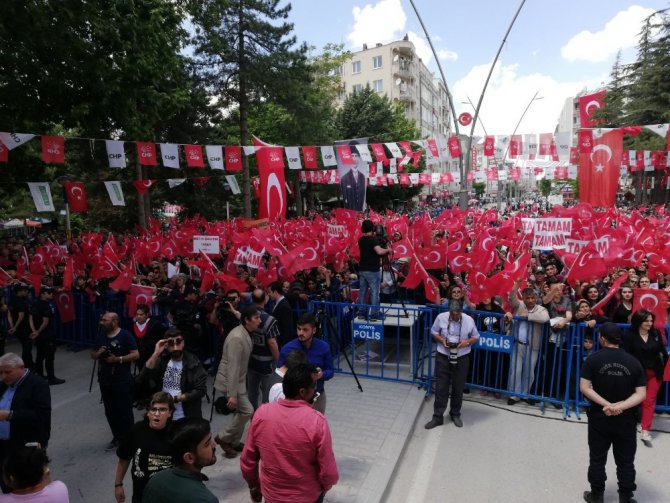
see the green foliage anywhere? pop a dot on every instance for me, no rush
(545, 187)
(479, 188)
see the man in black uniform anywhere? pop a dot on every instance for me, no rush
(19, 324)
(43, 334)
(370, 269)
(614, 382)
(186, 316)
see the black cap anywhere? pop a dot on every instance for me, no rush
(611, 332)
(455, 306)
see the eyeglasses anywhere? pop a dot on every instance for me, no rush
(175, 341)
(159, 410)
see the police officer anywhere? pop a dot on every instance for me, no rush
(614, 383)
(454, 333)
(186, 316)
(19, 324)
(43, 334)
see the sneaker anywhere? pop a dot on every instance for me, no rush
(433, 423)
(591, 497)
(645, 436)
(54, 381)
(112, 445)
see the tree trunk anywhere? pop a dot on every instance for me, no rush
(141, 212)
(246, 181)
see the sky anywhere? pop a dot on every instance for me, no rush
(555, 49)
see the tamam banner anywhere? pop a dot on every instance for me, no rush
(206, 244)
(551, 233)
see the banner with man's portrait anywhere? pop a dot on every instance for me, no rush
(353, 167)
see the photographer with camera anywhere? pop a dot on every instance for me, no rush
(372, 245)
(454, 333)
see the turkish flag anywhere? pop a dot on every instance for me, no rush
(53, 149)
(489, 146)
(233, 158)
(123, 282)
(104, 268)
(585, 141)
(4, 153)
(654, 300)
(454, 147)
(415, 275)
(587, 265)
(76, 196)
(432, 257)
(309, 157)
(193, 154)
(146, 153)
(598, 307)
(65, 306)
(139, 295)
(598, 173)
(301, 257)
(587, 104)
(142, 186)
(402, 249)
(68, 275)
(231, 282)
(272, 200)
(432, 289)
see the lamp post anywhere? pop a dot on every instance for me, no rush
(68, 230)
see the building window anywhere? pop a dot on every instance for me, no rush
(336, 71)
(356, 67)
(376, 62)
(357, 88)
(377, 85)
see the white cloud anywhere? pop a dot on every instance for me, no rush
(621, 32)
(421, 46)
(447, 55)
(378, 23)
(509, 93)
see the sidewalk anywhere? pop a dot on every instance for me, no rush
(369, 432)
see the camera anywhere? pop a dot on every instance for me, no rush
(452, 346)
(380, 234)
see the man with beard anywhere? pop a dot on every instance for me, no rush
(193, 448)
(177, 372)
(115, 349)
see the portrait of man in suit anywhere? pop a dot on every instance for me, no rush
(353, 179)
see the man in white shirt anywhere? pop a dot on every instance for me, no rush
(455, 333)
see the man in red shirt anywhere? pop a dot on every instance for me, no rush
(293, 441)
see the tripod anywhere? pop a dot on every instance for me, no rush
(394, 282)
(321, 316)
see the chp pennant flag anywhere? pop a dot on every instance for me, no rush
(116, 155)
(115, 193)
(41, 196)
(13, 140)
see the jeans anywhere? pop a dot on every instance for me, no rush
(258, 385)
(369, 280)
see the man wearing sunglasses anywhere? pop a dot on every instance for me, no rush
(177, 372)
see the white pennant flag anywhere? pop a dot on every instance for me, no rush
(442, 146)
(647, 161)
(572, 172)
(115, 193)
(632, 157)
(170, 155)
(659, 129)
(41, 196)
(435, 177)
(501, 146)
(116, 156)
(214, 156)
(530, 140)
(234, 186)
(13, 140)
(250, 149)
(457, 176)
(328, 156)
(562, 140)
(175, 182)
(364, 152)
(394, 149)
(393, 165)
(293, 156)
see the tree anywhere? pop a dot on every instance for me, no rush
(367, 114)
(246, 55)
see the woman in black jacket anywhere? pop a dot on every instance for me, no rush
(645, 343)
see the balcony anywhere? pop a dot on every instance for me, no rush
(403, 69)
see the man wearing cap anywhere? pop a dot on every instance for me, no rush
(454, 333)
(43, 334)
(614, 383)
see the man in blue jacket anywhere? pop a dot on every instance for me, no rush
(318, 354)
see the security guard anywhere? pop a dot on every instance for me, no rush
(614, 383)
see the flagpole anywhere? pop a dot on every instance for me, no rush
(68, 229)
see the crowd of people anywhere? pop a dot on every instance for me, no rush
(251, 328)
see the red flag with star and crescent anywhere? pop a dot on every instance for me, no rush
(65, 306)
(272, 200)
(76, 196)
(654, 300)
(599, 171)
(139, 295)
(587, 105)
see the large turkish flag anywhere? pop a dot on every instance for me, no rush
(599, 171)
(272, 200)
(654, 300)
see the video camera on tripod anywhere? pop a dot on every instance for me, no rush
(381, 235)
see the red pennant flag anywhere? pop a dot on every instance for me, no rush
(65, 306)
(344, 153)
(454, 147)
(233, 158)
(200, 181)
(272, 200)
(406, 147)
(585, 140)
(139, 295)
(546, 139)
(654, 300)
(598, 173)
(379, 153)
(4, 153)
(143, 186)
(416, 158)
(193, 154)
(489, 146)
(372, 169)
(53, 149)
(432, 147)
(573, 155)
(76, 196)
(515, 146)
(587, 104)
(146, 153)
(309, 157)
